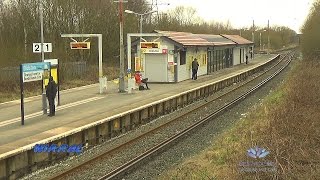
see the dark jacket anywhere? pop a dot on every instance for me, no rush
(195, 65)
(51, 90)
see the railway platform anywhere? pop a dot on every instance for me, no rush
(83, 106)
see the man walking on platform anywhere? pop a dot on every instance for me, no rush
(51, 91)
(194, 67)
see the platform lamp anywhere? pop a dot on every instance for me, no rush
(141, 20)
(141, 16)
(260, 37)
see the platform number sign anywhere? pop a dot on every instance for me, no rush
(47, 47)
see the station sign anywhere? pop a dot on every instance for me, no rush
(164, 51)
(155, 51)
(151, 51)
(80, 45)
(149, 45)
(34, 71)
(53, 62)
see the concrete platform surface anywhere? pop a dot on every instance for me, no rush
(81, 106)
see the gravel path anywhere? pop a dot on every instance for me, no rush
(160, 163)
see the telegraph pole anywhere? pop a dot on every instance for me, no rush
(268, 38)
(44, 100)
(253, 31)
(121, 77)
(260, 41)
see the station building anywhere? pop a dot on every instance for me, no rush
(168, 58)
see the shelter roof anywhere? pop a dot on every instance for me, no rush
(190, 39)
(237, 39)
(217, 40)
(185, 38)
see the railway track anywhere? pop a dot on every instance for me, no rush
(125, 167)
(286, 59)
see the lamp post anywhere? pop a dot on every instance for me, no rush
(253, 32)
(141, 20)
(260, 38)
(141, 16)
(44, 99)
(260, 41)
(268, 38)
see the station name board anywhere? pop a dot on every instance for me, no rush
(80, 45)
(150, 45)
(34, 71)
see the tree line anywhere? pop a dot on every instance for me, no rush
(20, 27)
(310, 33)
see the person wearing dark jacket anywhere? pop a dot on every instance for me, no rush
(194, 67)
(51, 91)
(247, 58)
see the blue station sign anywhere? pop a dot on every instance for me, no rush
(34, 71)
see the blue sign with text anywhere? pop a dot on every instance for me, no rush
(39, 66)
(34, 71)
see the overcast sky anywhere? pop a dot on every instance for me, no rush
(291, 13)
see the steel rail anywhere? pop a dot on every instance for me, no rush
(72, 169)
(125, 167)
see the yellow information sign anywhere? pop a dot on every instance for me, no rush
(138, 64)
(54, 74)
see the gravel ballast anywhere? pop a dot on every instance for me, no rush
(159, 164)
(203, 137)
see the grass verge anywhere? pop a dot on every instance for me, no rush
(286, 124)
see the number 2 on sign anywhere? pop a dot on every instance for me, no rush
(37, 47)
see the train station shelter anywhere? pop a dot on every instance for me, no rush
(168, 58)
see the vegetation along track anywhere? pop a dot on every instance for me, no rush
(122, 169)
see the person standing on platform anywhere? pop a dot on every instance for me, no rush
(194, 67)
(247, 58)
(51, 91)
